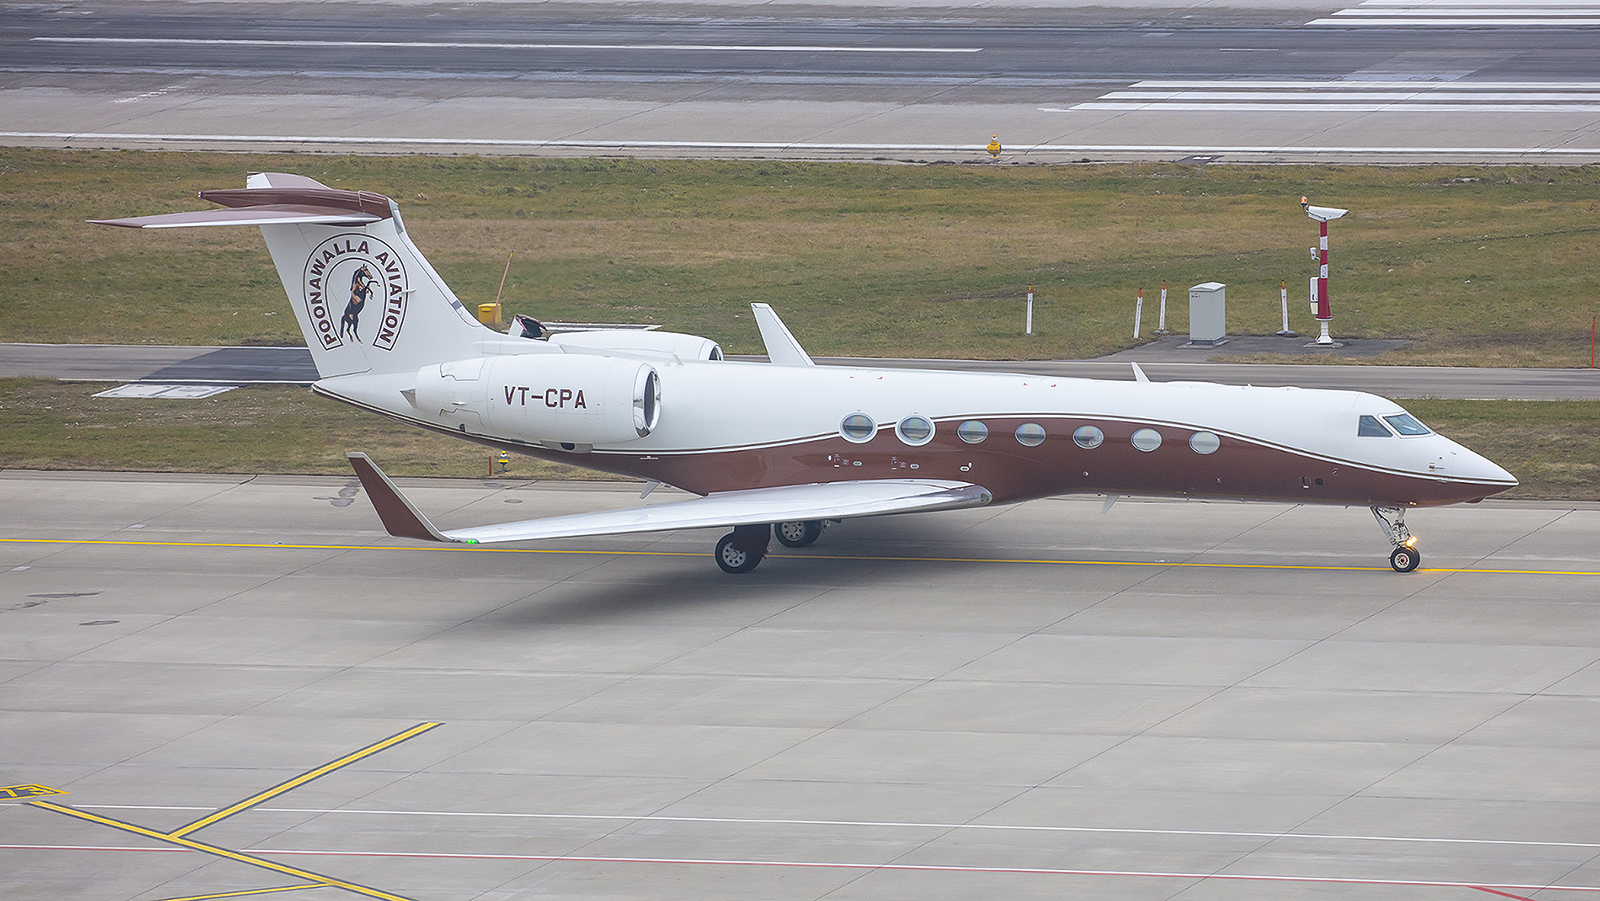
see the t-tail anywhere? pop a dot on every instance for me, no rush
(366, 299)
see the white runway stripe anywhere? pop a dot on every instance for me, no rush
(1186, 107)
(1442, 13)
(1468, 13)
(1350, 97)
(1345, 85)
(1385, 23)
(735, 146)
(1509, 5)
(461, 45)
(1523, 97)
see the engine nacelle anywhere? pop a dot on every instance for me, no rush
(577, 399)
(664, 345)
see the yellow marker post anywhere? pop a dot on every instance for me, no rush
(994, 146)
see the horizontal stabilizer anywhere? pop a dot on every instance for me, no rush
(269, 214)
(832, 500)
(274, 198)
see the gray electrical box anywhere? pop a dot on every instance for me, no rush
(1208, 314)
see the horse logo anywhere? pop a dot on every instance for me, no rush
(360, 290)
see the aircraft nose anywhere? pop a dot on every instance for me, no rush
(1461, 463)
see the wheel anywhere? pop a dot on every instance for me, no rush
(798, 533)
(732, 559)
(1404, 559)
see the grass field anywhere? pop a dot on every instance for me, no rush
(1477, 266)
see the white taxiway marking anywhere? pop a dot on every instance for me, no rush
(1498, 887)
(793, 146)
(475, 45)
(872, 824)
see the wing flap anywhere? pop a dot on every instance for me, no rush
(832, 500)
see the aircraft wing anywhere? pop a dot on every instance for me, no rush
(832, 500)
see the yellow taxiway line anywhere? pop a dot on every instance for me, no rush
(179, 836)
(480, 549)
(301, 779)
(239, 856)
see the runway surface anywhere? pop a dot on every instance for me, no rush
(1055, 80)
(235, 682)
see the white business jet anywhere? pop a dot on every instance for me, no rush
(786, 446)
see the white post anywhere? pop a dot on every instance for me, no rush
(1161, 324)
(1283, 298)
(1030, 310)
(1138, 314)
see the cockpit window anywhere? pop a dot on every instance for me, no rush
(1406, 424)
(1372, 428)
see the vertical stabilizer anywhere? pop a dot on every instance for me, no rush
(365, 298)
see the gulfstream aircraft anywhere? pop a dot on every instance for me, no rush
(786, 446)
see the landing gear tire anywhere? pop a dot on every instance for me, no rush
(1404, 559)
(798, 533)
(735, 561)
(743, 549)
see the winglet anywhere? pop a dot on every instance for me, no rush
(398, 515)
(782, 348)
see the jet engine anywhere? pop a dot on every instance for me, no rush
(638, 342)
(554, 398)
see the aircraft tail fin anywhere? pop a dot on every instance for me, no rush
(366, 299)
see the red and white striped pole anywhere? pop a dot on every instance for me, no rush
(1324, 311)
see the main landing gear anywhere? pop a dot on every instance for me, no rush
(743, 549)
(1392, 520)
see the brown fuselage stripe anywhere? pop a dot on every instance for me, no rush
(1239, 469)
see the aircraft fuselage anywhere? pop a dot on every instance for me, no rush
(730, 426)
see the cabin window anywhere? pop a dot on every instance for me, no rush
(1088, 437)
(1406, 424)
(914, 430)
(972, 431)
(1204, 442)
(1030, 434)
(1147, 440)
(1371, 428)
(858, 427)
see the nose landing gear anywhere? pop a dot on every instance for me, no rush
(1392, 520)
